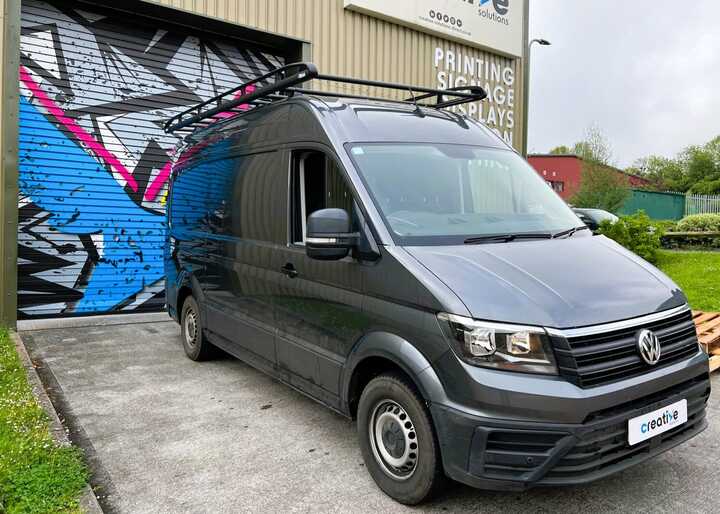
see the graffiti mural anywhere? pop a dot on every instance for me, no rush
(94, 161)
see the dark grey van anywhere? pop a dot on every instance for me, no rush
(402, 265)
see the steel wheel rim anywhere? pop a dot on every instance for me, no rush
(191, 328)
(393, 440)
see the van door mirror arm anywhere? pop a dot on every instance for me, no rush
(366, 249)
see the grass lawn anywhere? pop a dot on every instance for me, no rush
(697, 273)
(36, 475)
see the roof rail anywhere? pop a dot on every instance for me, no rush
(284, 79)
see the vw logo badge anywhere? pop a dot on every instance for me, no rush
(649, 346)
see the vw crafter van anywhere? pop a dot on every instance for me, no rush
(400, 264)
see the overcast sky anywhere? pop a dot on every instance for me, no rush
(647, 72)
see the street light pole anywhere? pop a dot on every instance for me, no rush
(526, 90)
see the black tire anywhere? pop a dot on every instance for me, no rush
(386, 402)
(196, 345)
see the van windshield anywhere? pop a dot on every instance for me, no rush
(447, 194)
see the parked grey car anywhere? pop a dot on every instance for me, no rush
(593, 217)
(404, 266)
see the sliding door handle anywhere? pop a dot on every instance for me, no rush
(289, 270)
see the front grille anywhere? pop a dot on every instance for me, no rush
(596, 359)
(607, 445)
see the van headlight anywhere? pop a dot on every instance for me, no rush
(499, 346)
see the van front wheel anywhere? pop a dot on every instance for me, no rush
(397, 440)
(196, 346)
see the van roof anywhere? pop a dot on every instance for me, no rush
(341, 120)
(287, 110)
(375, 120)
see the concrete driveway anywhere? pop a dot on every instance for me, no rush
(169, 435)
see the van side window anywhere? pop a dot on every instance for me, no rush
(236, 197)
(255, 211)
(316, 183)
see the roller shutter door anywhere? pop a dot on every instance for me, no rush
(95, 89)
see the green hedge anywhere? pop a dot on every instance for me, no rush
(637, 233)
(699, 223)
(695, 223)
(665, 225)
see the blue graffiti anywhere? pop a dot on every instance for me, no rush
(63, 179)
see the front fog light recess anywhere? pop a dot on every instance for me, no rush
(500, 346)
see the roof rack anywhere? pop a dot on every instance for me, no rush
(279, 84)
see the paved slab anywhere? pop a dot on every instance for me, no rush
(171, 435)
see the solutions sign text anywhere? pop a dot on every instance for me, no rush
(492, 24)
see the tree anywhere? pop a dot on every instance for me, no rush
(703, 168)
(561, 150)
(696, 169)
(601, 186)
(595, 147)
(664, 174)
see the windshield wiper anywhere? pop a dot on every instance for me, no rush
(569, 232)
(506, 238)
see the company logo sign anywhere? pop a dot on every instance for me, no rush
(667, 417)
(649, 347)
(496, 25)
(501, 6)
(644, 427)
(495, 12)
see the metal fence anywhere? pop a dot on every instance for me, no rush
(702, 204)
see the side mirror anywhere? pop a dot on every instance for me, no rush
(328, 235)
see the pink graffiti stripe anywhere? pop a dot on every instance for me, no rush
(153, 189)
(242, 107)
(88, 140)
(165, 172)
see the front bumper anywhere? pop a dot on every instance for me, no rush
(513, 455)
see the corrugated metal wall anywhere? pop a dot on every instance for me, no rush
(95, 90)
(349, 43)
(657, 205)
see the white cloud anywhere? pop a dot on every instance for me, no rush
(646, 71)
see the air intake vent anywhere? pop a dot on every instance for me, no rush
(512, 455)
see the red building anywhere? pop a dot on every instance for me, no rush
(564, 173)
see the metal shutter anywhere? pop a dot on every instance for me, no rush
(95, 90)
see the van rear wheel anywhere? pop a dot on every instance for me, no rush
(398, 441)
(196, 345)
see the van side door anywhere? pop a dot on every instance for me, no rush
(318, 304)
(247, 227)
